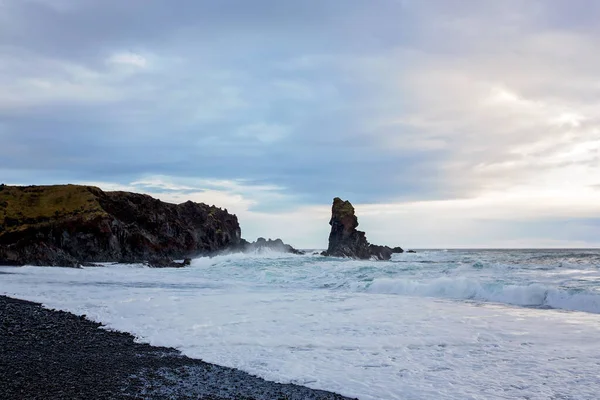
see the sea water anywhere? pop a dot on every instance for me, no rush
(458, 324)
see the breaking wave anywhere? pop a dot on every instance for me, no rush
(532, 295)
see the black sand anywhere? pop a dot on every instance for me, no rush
(48, 354)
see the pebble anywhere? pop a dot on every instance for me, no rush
(49, 354)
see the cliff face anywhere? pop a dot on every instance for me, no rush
(67, 225)
(346, 241)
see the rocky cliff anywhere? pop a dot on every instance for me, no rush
(346, 241)
(68, 225)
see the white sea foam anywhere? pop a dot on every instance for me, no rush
(373, 330)
(533, 295)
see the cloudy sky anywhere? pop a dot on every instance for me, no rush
(448, 123)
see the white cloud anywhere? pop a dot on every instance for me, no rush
(512, 110)
(482, 221)
(128, 59)
(238, 196)
(160, 183)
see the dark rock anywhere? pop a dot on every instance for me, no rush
(263, 244)
(52, 255)
(346, 241)
(380, 252)
(411, 251)
(90, 264)
(70, 225)
(161, 262)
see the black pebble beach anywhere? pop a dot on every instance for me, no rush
(48, 354)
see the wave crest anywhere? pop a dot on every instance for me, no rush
(533, 295)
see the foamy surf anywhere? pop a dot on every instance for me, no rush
(444, 325)
(533, 295)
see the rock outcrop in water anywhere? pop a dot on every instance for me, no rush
(263, 244)
(70, 225)
(346, 241)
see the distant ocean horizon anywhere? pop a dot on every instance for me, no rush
(452, 323)
(472, 248)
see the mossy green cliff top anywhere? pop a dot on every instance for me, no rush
(70, 225)
(22, 207)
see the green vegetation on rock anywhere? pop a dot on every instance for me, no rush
(342, 208)
(24, 206)
(68, 225)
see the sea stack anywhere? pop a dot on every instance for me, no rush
(346, 241)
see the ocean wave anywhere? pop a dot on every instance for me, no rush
(532, 295)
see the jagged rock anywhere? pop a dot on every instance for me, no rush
(262, 244)
(69, 225)
(52, 256)
(380, 252)
(162, 262)
(346, 241)
(411, 251)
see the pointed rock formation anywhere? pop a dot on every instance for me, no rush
(346, 241)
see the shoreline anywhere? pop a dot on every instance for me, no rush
(55, 354)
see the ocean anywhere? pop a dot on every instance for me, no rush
(438, 324)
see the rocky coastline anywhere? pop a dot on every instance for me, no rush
(261, 245)
(54, 354)
(72, 225)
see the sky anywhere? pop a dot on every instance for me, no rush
(447, 123)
